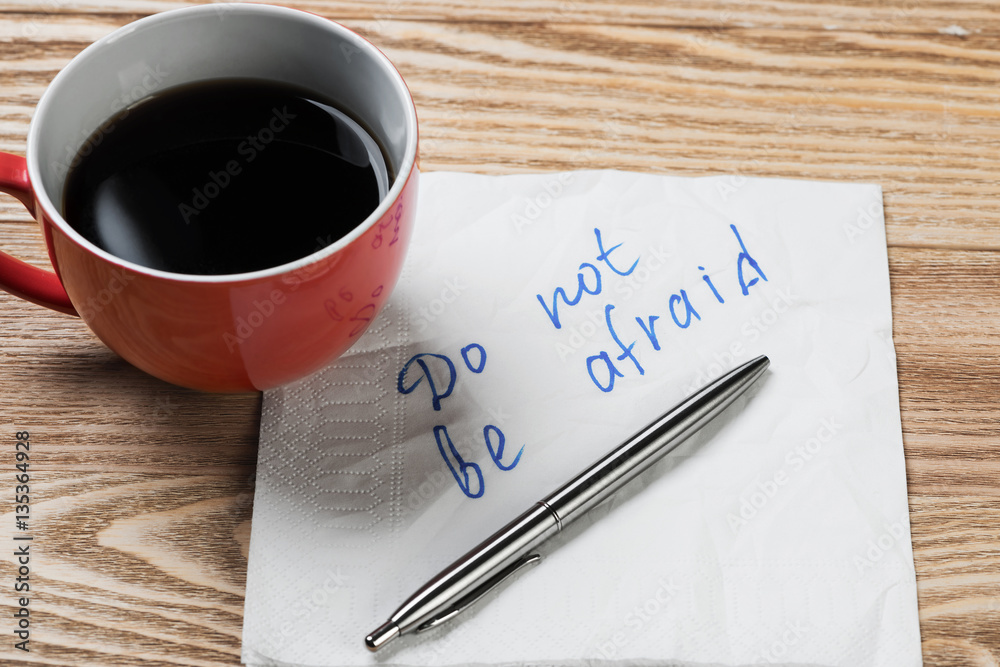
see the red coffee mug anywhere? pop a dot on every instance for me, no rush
(238, 332)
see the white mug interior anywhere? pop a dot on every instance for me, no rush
(217, 41)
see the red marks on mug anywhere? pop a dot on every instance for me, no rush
(390, 220)
(362, 317)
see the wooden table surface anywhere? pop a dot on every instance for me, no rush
(142, 492)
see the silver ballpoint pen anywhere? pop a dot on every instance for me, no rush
(509, 550)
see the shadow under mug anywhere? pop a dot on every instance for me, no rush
(240, 332)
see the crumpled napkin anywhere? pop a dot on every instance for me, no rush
(540, 320)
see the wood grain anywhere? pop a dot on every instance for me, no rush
(142, 491)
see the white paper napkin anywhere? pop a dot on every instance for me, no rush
(777, 535)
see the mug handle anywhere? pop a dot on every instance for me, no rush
(20, 278)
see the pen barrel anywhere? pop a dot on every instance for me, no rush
(463, 578)
(643, 449)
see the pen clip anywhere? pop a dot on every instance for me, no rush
(465, 602)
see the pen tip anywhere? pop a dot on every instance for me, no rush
(756, 367)
(379, 638)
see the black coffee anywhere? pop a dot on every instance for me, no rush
(224, 176)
